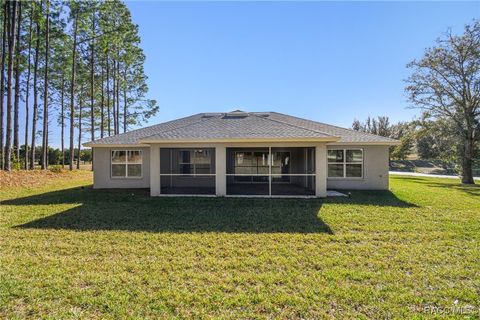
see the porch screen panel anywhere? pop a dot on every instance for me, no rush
(187, 171)
(293, 171)
(271, 171)
(248, 171)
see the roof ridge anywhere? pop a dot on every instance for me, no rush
(332, 125)
(293, 125)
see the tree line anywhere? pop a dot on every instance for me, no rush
(76, 65)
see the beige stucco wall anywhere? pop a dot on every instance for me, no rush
(101, 174)
(375, 170)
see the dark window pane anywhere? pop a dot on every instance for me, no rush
(118, 170)
(354, 170)
(260, 179)
(118, 156)
(335, 155)
(185, 156)
(335, 170)
(354, 156)
(134, 170)
(242, 178)
(186, 168)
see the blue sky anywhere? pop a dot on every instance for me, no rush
(327, 61)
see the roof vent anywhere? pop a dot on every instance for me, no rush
(263, 115)
(208, 115)
(237, 114)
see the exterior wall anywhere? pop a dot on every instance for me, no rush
(375, 170)
(375, 167)
(102, 170)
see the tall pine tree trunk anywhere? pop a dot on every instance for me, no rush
(27, 89)
(118, 96)
(11, 48)
(45, 91)
(109, 122)
(125, 106)
(2, 81)
(72, 88)
(102, 112)
(92, 66)
(114, 109)
(16, 126)
(62, 120)
(80, 106)
(35, 95)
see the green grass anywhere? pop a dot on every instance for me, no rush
(67, 251)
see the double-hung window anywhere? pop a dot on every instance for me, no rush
(126, 164)
(345, 163)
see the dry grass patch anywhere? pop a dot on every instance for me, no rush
(33, 178)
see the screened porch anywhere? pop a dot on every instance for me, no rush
(270, 171)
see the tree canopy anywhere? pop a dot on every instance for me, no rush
(73, 64)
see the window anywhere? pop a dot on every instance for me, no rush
(345, 163)
(126, 164)
(194, 161)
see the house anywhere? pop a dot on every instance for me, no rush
(242, 154)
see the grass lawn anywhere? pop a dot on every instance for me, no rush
(67, 251)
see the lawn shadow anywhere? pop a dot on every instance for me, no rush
(135, 210)
(383, 198)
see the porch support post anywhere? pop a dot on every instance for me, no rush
(154, 170)
(321, 170)
(221, 171)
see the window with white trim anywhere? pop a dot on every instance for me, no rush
(126, 163)
(345, 163)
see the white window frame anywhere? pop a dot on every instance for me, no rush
(344, 163)
(126, 163)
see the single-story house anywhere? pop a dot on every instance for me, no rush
(241, 153)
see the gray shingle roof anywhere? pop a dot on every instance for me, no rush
(240, 125)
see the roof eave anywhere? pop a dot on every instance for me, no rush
(109, 145)
(366, 143)
(324, 139)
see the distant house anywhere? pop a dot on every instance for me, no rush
(242, 154)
